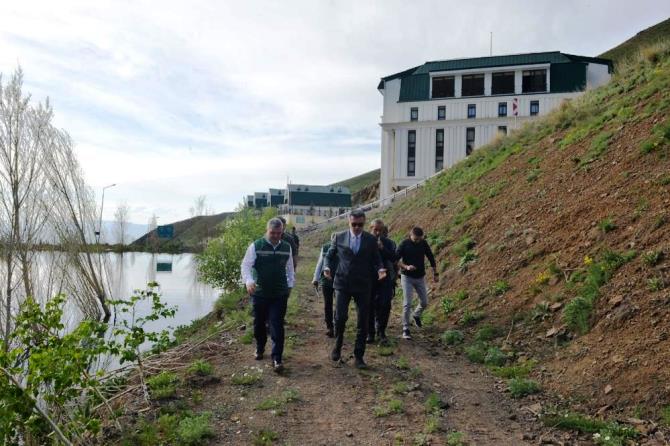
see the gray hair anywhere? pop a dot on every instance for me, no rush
(377, 221)
(275, 223)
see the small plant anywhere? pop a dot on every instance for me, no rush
(391, 407)
(432, 425)
(607, 225)
(247, 378)
(652, 258)
(500, 287)
(542, 278)
(193, 430)
(607, 433)
(476, 352)
(163, 385)
(655, 284)
(201, 367)
(471, 317)
(400, 388)
(495, 357)
(402, 363)
(665, 415)
(265, 437)
(453, 337)
(520, 387)
(533, 175)
(467, 259)
(456, 439)
(487, 333)
(464, 245)
(434, 404)
(577, 313)
(277, 404)
(385, 350)
(448, 305)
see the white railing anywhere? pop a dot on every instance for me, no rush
(377, 204)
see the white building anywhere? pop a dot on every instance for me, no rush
(308, 204)
(436, 114)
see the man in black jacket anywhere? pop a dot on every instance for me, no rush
(382, 291)
(356, 255)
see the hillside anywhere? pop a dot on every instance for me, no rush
(190, 235)
(557, 237)
(364, 188)
(644, 38)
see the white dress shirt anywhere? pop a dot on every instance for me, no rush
(248, 265)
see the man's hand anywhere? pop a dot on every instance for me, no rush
(326, 272)
(381, 274)
(410, 268)
(315, 283)
(251, 288)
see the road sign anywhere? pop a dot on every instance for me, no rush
(165, 231)
(515, 106)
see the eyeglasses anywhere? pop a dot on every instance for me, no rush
(357, 225)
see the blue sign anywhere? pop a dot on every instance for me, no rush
(164, 267)
(165, 231)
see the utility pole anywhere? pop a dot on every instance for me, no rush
(102, 204)
(491, 45)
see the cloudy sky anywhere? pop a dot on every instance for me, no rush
(173, 99)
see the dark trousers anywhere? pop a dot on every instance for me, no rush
(380, 308)
(328, 292)
(362, 300)
(270, 311)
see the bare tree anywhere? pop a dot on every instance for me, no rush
(121, 217)
(199, 206)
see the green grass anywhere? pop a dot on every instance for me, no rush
(265, 437)
(652, 258)
(599, 145)
(655, 284)
(385, 350)
(434, 404)
(456, 439)
(402, 363)
(465, 244)
(520, 370)
(400, 388)
(247, 378)
(520, 387)
(607, 225)
(201, 367)
(192, 431)
(163, 385)
(500, 287)
(476, 352)
(359, 182)
(471, 317)
(279, 403)
(432, 424)
(617, 433)
(453, 337)
(665, 415)
(392, 406)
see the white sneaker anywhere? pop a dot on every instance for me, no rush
(406, 334)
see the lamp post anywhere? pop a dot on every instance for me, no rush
(102, 204)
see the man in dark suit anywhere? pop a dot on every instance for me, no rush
(359, 264)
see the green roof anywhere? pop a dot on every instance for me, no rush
(415, 84)
(306, 195)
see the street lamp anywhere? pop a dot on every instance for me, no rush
(102, 204)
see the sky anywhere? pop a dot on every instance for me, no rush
(170, 100)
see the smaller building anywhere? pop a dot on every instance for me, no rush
(277, 197)
(250, 201)
(260, 200)
(307, 204)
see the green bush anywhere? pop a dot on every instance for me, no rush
(201, 367)
(487, 333)
(652, 258)
(391, 407)
(163, 385)
(607, 225)
(448, 305)
(464, 245)
(476, 352)
(520, 387)
(577, 313)
(500, 287)
(515, 371)
(193, 430)
(453, 337)
(495, 357)
(471, 317)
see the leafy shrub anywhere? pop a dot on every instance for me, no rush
(193, 430)
(467, 259)
(201, 367)
(453, 337)
(607, 225)
(163, 385)
(464, 245)
(247, 378)
(476, 352)
(495, 357)
(520, 387)
(500, 287)
(652, 258)
(471, 317)
(391, 407)
(487, 333)
(515, 371)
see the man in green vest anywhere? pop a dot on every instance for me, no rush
(268, 274)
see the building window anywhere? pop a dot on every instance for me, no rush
(443, 87)
(502, 108)
(502, 83)
(411, 153)
(469, 140)
(439, 150)
(472, 85)
(472, 110)
(534, 108)
(502, 129)
(414, 114)
(441, 113)
(534, 81)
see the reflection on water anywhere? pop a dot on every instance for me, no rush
(133, 270)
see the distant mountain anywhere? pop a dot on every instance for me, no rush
(190, 235)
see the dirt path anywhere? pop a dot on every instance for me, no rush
(317, 402)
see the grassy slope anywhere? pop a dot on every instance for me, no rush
(632, 46)
(364, 188)
(531, 209)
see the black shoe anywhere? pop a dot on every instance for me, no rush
(330, 333)
(336, 354)
(360, 364)
(406, 334)
(417, 321)
(277, 366)
(370, 339)
(258, 356)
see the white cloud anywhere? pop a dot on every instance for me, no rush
(172, 100)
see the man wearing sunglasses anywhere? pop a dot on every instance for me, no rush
(354, 256)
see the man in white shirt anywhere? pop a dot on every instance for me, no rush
(268, 274)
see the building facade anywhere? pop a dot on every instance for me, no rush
(436, 114)
(307, 204)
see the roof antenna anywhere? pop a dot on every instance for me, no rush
(491, 45)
